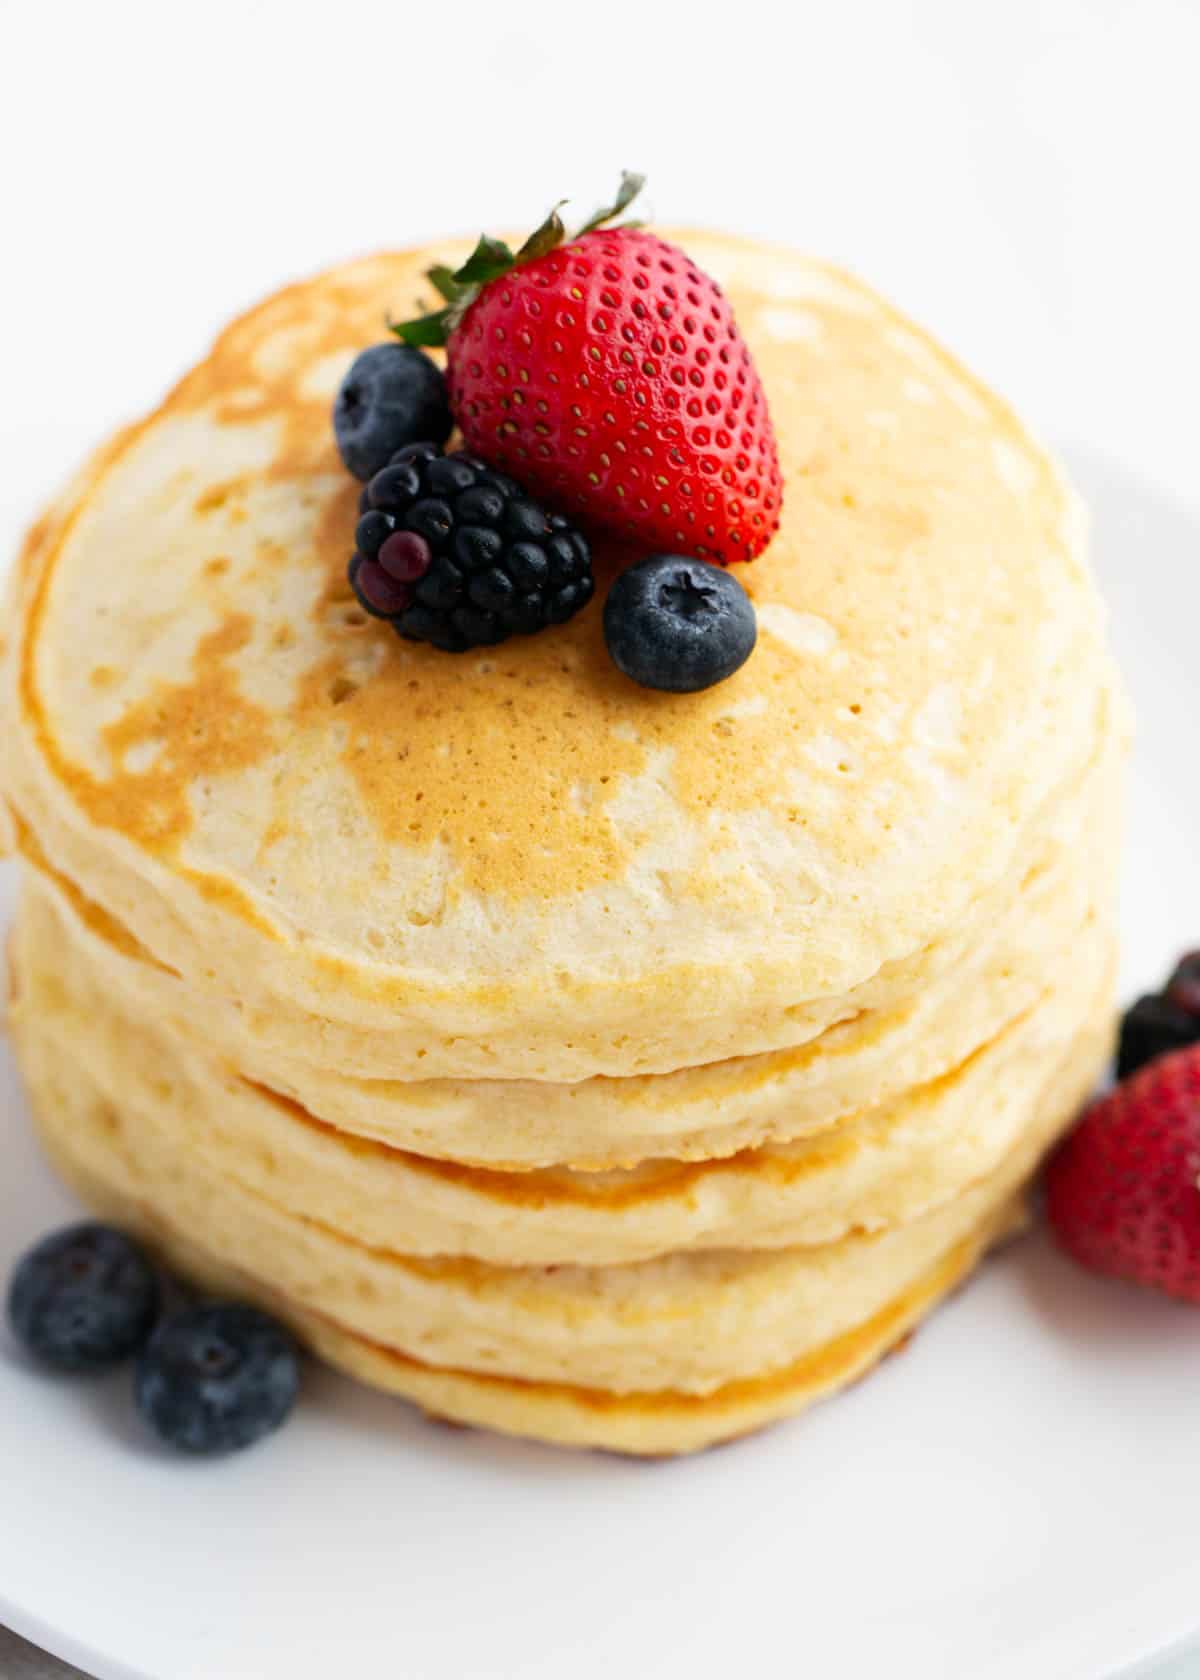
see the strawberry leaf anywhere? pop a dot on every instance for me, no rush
(545, 238)
(631, 186)
(490, 259)
(443, 282)
(427, 332)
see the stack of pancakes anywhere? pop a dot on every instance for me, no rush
(598, 1064)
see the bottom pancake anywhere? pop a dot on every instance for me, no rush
(647, 1423)
(657, 1357)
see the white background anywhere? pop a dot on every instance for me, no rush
(1020, 176)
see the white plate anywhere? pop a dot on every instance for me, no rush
(1015, 1497)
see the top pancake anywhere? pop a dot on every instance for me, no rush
(516, 862)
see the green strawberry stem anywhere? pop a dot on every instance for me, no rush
(491, 258)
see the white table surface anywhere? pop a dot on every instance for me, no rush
(1018, 174)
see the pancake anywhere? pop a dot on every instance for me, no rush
(609, 1066)
(653, 1423)
(660, 1356)
(881, 1167)
(869, 1059)
(519, 865)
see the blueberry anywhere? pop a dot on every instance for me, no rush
(678, 624)
(393, 395)
(216, 1377)
(84, 1298)
(1152, 1027)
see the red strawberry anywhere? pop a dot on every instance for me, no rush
(607, 374)
(1123, 1189)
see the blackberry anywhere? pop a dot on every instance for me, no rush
(1152, 1027)
(1163, 1021)
(1183, 988)
(450, 552)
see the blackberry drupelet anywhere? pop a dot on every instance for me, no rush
(450, 552)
